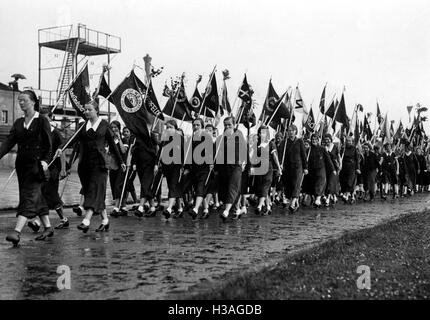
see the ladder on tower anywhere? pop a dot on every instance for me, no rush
(67, 70)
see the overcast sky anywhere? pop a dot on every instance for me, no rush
(376, 49)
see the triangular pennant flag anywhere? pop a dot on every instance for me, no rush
(299, 105)
(211, 99)
(310, 122)
(322, 101)
(225, 104)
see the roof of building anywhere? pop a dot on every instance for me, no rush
(5, 87)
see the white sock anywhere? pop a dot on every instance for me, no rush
(105, 221)
(169, 210)
(140, 208)
(225, 213)
(86, 222)
(115, 209)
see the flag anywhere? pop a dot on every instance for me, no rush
(385, 130)
(399, 132)
(79, 92)
(247, 118)
(378, 114)
(391, 129)
(356, 131)
(196, 101)
(151, 101)
(211, 99)
(341, 113)
(128, 99)
(322, 101)
(245, 92)
(310, 122)
(278, 111)
(299, 105)
(367, 132)
(103, 89)
(331, 109)
(225, 104)
(269, 105)
(177, 111)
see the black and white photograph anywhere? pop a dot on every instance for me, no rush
(201, 152)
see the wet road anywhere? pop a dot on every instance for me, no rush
(150, 258)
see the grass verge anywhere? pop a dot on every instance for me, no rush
(397, 253)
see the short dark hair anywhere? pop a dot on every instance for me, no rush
(117, 124)
(32, 95)
(231, 118)
(200, 120)
(172, 123)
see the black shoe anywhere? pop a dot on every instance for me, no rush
(78, 211)
(123, 212)
(178, 214)
(193, 214)
(114, 213)
(205, 215)
(258, 211)
(138, 213)
(166, 214)
(33, 226)
(63, 225)
(103, 227)
(237, 216)
(293, 209)
(48, 233)
(13, 237)
(83, 227)
(150, 214)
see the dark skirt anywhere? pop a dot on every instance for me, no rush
(347, 178)
(369, 180)
(318, 181)
(50, 190)
(172, 173)
(231, 181)
(94, 183)
(32, 203)
(145, 171)
(292, 178)
(116, 180)
(332, 183)
(199, 175)
(263, 183)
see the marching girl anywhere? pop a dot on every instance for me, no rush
(263, 182)
(412, 168)
(319, 163)
(212, 184)
(199, 172)
(128, 140)
(332, 189)
(296, 166)
(32, 134)
(172, 170)
(116, 174)
(350, 169)
(307, 188)
(92, 168)
(50, 187)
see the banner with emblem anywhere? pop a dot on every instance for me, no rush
(151, 101)
(129, 98)
(211, 96)
(79, 92)
(269, 105)
(310, 122)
